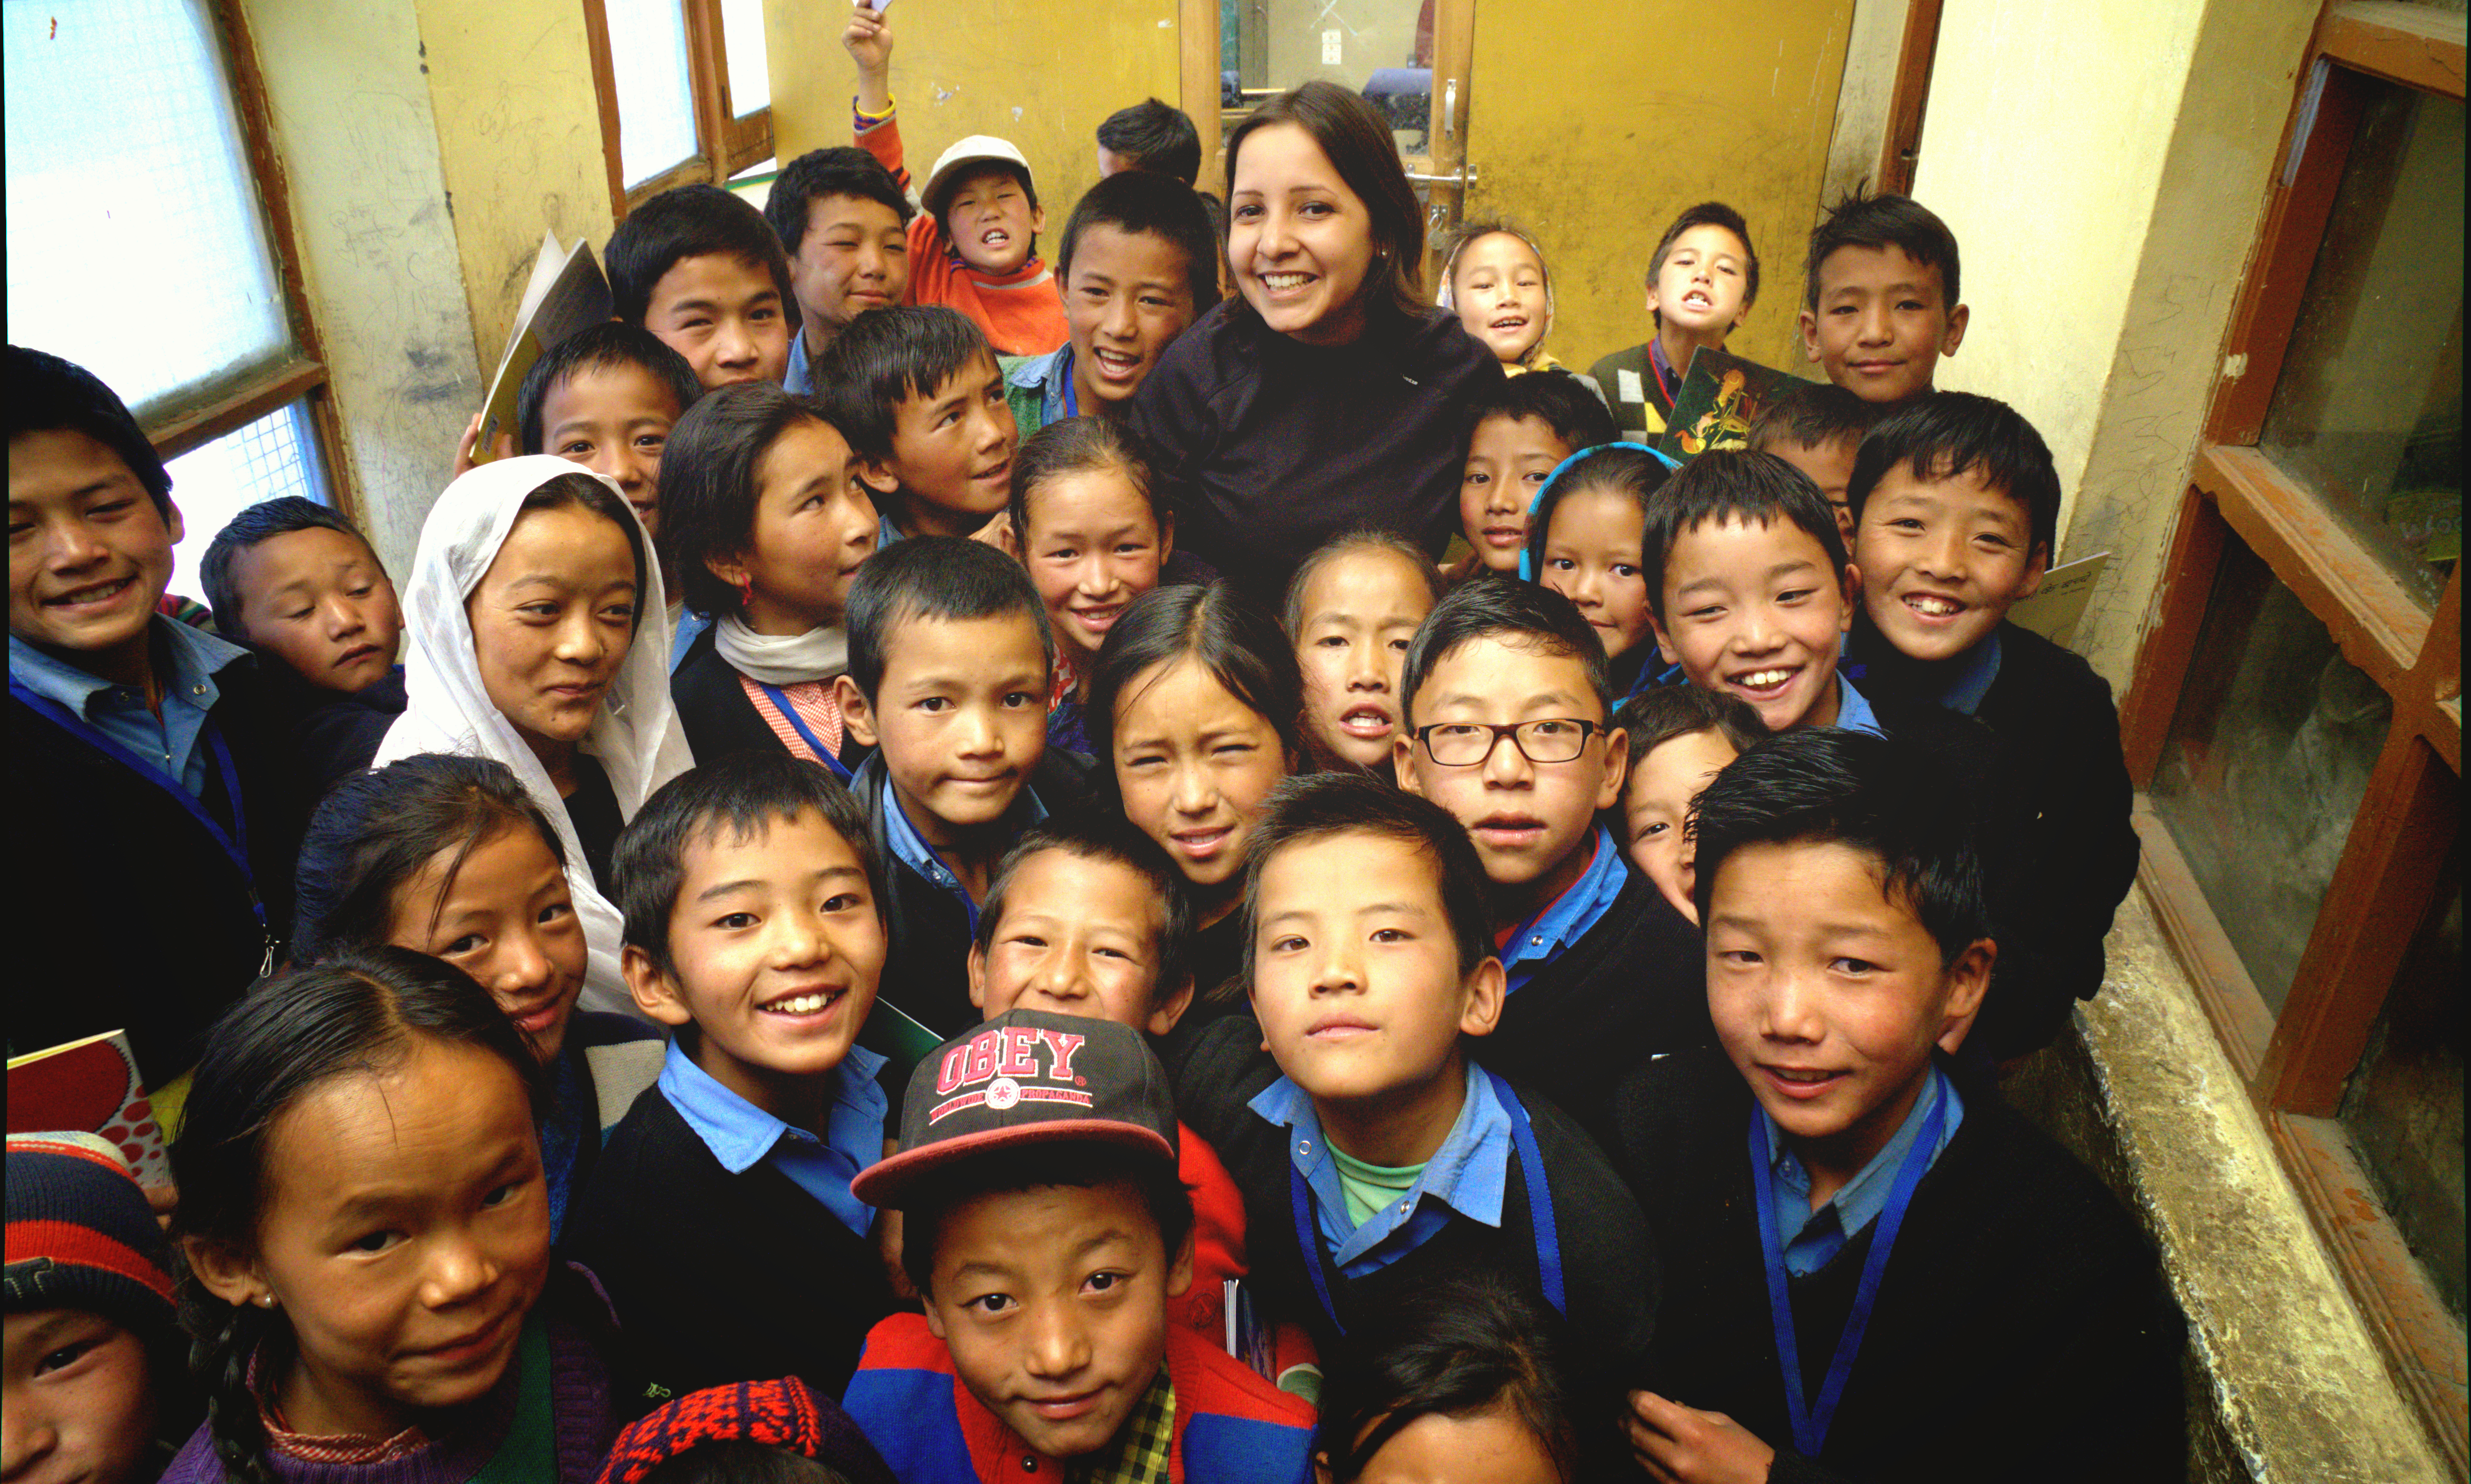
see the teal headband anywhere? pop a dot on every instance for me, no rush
(1526, 570)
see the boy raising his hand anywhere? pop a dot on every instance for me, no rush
(976, 246)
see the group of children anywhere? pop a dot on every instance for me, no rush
(938, 878)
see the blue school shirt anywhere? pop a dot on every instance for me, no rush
(915, 853)
(1811, 1237)
(799, 380)
(683, 635)
(741, 1136)
(1853, 711)
(1969, 677)
(1049, 375)
(1469, 1176)
(1568, 917)
(190, 658)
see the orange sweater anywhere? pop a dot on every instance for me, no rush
(1021, 313)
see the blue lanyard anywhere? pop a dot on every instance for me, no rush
(1539, 1210)
(814, 744)
(1072, 393)
(1809, 1422)
(234, 842)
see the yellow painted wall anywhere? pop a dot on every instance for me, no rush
(1593, 124)
(2046, 264)
(2101, 259)
(1040, 73)
(518, 141)
(352, 122)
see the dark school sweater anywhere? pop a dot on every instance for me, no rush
(1273, 446)
(126, 913)
(927, 972)
(2023, 1331)
(1640, 415)
(717, 1277)
(338, 735)
(718, 717)
(2065, 799)
(1632, 987)
(1608, 1262)
(1215, 955)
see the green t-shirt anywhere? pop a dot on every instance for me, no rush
(1371, 1186)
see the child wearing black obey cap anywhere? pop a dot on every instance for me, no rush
(1046, 1230)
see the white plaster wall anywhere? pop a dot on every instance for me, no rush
(2042, 148)
(353, 125)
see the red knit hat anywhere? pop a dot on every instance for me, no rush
(784, 1414)
(80, 1235)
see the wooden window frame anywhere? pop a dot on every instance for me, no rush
(2295, 1065)
(725, 144)
(191, 418)
(1908, 97)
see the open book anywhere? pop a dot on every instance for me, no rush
(567, 294)
(2054, 610)
(90, 1087)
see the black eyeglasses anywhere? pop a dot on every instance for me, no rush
(1466, 743)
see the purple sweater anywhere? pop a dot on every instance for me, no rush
(579, 1416)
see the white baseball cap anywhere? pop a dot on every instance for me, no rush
(962, 154)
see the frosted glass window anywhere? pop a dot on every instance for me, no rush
(2267, 760)
(137, 244)
(741, 35)
(648, 55)
(274, 456)
(2369, 406)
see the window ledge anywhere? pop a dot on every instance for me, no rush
(2285, 1380)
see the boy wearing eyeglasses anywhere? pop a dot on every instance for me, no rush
(1508, 727)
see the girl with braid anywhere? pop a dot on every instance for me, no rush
(366, 1224)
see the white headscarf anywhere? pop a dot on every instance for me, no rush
(635, 736)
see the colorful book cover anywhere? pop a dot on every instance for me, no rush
(1248, 1337)
(90, 1086)
(1719, 399)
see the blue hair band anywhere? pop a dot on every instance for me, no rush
(1526, 572)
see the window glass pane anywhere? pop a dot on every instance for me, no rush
(1381, 48)
(137, 244)
(2369, 407)
(2404, 1108)
(648, 55)
(742, 36)
(2266, 764)
(276, 454)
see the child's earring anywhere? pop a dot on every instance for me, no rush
(746, 592)
(266, 1301)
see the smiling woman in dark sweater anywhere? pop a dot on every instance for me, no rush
(1326, 395)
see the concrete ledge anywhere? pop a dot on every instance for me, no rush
(2285, 1381)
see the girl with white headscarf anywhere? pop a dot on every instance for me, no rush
(537, 632)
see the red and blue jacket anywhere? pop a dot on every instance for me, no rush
(1230, 1424)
